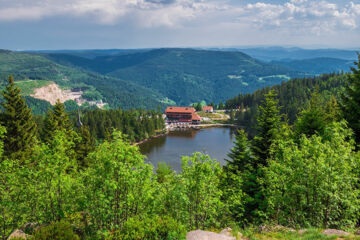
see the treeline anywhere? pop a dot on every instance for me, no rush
(136, 124)
(293, 96)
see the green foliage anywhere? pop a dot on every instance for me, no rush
(55, 231)
(56, 120)
(232, 182)
(186, 75)
(84, 146)
(17, 119)
(313, 119)
(308, 234)
(92, 95)
(137, 125)
(293, 97)
(201, 179)
(27, 86)
(268, 124)
(351, 101)
(38, 71)
(163, 171)
(314, 182)
(38, 106)
(52, 183)
(72, 106)
(118, 184)
(151, 228)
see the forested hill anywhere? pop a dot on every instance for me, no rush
(293, 97)
(114, 91)
(316, 66)
(185, 75)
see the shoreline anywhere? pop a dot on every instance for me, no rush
(163, 133)
(196, 127)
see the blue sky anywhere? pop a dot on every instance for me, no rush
(86, 24)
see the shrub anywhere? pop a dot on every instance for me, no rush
(55, 231)
(156, 228)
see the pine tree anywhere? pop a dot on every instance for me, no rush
(56, 119)
(84, 146)
(351, 101)
(312, 120)
(232, 183)
(239, 155)
(17, 119)
(268, 124)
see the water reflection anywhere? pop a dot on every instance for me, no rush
(213, 141)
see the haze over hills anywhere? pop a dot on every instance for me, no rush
(276, 53)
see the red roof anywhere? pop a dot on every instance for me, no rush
(196, 117)
(207, 108)
(180, 110)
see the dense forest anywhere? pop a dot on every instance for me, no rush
(185, 75)
(57, 184)
(294, 96)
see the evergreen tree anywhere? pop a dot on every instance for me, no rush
(268, 125)
(221, 105)
(17, 119)
(84, 146)
(313, 119)
(239, 155)
(351, 101)
(56, 119)
(233, 186)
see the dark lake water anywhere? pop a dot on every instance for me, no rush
(216, 142)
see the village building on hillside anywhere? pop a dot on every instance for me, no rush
(208, 109)
(182, 115)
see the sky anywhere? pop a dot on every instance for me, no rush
(105, 24)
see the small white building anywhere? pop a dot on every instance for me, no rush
(208, 109)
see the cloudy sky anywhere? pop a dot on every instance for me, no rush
(85, 24)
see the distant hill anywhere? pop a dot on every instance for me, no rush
(114, 91)
(186, 75)
(294, 53)
(315, 66)
(90, 53)
(148, 78)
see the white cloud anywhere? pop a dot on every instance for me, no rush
(148, 13)
(303, 15)
(294, 15)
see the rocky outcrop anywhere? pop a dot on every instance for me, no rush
(53, 92)
(335, 232)
(276, 228)
(205, 235)
(18, 234)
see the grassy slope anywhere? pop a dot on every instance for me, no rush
(312, 234)
(118, 93)
(28, 86)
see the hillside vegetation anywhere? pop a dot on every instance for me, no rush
(294, 96)
(186, 75)
(114, 91)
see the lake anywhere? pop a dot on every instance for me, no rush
(216, 142)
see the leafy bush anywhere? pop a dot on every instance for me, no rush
(314, 183)
(155, 228)
(55, 231)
